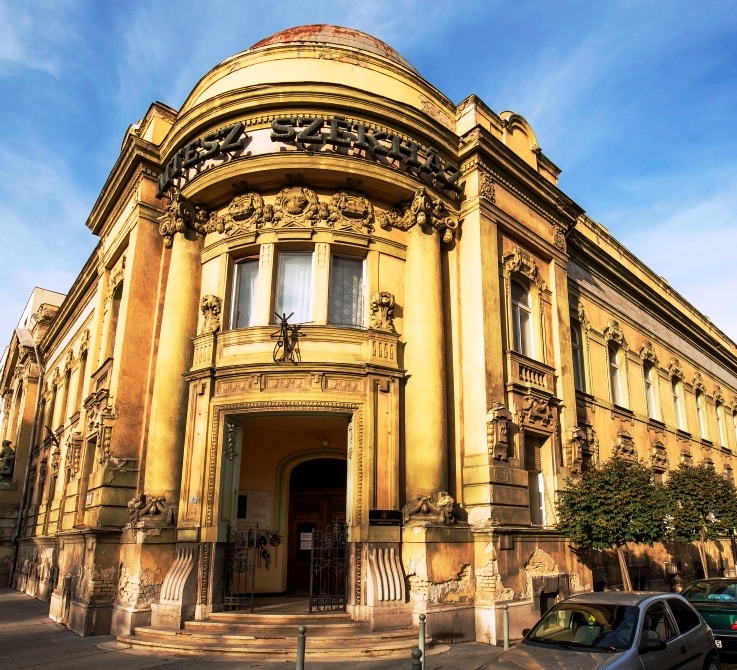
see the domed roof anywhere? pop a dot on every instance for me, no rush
(324, 33)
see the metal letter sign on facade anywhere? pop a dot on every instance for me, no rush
(311, 134)
(286, 349)
(329, 569)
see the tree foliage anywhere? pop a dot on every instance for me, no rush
(612, 505)
(703, 504)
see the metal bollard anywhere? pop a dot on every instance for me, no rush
(416, 656)
(505, 625)
(422, 625)
(301, 639)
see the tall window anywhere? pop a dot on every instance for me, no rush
(578, 375)
(294, 286)
(346, 291)
(80, 381)
(734, 423)
(701, 413)
(522, 320)
(616, 374)
(535, 479)
(244, 293)
(720, 425)
(65, 396)
(678, 407)
(114, 314)
(651, 397)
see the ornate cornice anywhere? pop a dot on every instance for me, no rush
(521, 262)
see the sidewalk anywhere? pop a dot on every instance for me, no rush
(29, 639)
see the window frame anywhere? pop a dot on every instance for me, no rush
(235, 291)
(516, 309)
(679, 405)
(616, 362)
(650, 381)
(720, 417)
(362, 298)
(281, 253)
(702, 418)
(579, 368)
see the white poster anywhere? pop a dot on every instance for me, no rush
(305, 541)
(258, 508)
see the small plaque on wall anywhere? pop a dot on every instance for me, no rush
(255, 508)
(385, 517)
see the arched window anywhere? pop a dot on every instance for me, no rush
(701, 413)
(651, 396)
(678, 408)
(579, 379)
(721, 433)
(522, 320)
(616, 375)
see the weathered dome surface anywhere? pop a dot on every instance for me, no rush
(325, 33)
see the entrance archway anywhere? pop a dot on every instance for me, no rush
(317, 500)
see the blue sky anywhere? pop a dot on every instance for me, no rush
(635, 101)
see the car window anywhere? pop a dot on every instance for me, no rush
(711, 590)
(586, 624)
(656, 625)
(684, 615)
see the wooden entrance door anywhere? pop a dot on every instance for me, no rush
(317, 499)
(308, 512)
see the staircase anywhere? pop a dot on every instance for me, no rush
(274, 636)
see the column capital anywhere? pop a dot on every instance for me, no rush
(424, 211)
(179, 214)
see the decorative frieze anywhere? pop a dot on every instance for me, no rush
(498, 422)
(432, 509)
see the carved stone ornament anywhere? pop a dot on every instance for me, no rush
(613, 333)
(647, 353)
(486, 186)
(230, 436)
(179, 214)
(421, 211)
(686, 458)
(498, 423)
(559, 238)
(55, 458)
(718, 395)
(116, 276)
(73, 453)
(521, 262)
(709, 463)
(536, 410)
(582, 318)
(84, 344)
(582, 449)
(728, 473)
(624, 446)
(211, 307)
(349, 209)
(296, 206)
(698, 383)
(437, 509)
(68, 361)
(382, 311)
(7, 460)
(658, 457)
(151, 510)
(244, 213)
(675, 369)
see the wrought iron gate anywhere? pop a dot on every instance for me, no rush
(329, 568)
(240, 568)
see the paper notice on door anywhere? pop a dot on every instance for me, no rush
(305, 541)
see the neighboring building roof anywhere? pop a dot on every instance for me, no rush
(39, 296)
(325, 33)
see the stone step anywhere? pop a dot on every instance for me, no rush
(324, 638)
(364, 646)
(298, 619)
(247, 627)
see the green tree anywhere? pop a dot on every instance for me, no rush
(612, 505)
(703, 506)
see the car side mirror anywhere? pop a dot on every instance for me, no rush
(651, 645)
(526, 632)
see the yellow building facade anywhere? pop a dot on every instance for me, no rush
(326, 296)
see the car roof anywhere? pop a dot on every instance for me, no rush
(616, 597)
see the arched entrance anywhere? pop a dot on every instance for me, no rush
(317, 500)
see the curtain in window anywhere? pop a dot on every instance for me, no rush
(244, 300)
(522, 320)
(615, 376)
(346, 291)
(294, 286)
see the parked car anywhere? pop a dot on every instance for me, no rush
(590, 631)
(716, 601)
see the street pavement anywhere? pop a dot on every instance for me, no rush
(29, 639)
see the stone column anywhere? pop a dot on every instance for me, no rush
(164, 452)
(424, 358)
(426, 450)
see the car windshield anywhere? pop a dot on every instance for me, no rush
(707, 590)
(591, 625)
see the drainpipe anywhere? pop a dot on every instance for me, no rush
(16, 538)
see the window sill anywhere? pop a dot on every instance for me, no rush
(683, 433)
(707, 443)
